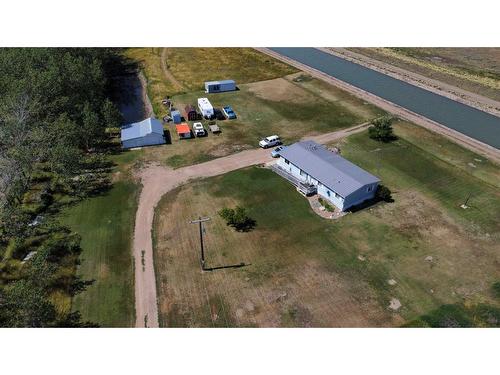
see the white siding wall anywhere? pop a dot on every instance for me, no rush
(357, 197)
(331, 196)
(290, 168)
(361, 195)
(149, 140)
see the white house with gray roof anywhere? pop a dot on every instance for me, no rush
(339, 181)
(148, 132)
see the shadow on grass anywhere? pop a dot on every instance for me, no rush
(240, 265)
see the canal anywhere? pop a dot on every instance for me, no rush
(460, 117)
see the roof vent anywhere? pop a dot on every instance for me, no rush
(312, 147)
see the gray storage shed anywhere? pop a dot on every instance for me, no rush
(145, 133)
(220, 86)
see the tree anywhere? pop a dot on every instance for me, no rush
(381, 129)
(111, 115)
(238, 219)
(24, 304)
(92, 129)
(384, 194)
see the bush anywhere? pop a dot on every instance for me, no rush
(384, 194)
(325, 204)
(381, 129)
(237, 218)
(496, 289)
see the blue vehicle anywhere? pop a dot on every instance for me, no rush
(229, 113)
(276, 152)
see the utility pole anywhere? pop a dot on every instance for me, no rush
(464, 205)
(200, 222)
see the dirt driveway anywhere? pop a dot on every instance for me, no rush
(157, 181)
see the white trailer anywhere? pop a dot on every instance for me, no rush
(220, 86)
(205, 107)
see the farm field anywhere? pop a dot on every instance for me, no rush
(473, 69)
(292, 106)
(338, 274)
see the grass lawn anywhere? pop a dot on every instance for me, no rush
(307, 271)
(291, 107)
(106, 225)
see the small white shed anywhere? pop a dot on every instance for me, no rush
(220, 86)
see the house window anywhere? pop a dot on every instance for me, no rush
(328, 192)
(302, 173)
(287, 162)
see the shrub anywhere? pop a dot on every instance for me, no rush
(496, 289)
(384, 194)
(381, 129)
(237, 218)
(325, 204)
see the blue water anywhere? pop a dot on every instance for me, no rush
(463, 118)
(132, 104)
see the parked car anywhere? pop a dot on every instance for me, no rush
(271, 141)
(276, 152)
(214, 128)
(199, 130)
(228, 112)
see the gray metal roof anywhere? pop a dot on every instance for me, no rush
(141, 129)
(329, 168)
(220, 82)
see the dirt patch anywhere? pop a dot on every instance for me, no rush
(279, 89)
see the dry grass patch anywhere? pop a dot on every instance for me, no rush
(193, 66)
(282, 284)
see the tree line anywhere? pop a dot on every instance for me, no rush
(55, 106)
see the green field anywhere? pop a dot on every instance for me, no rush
(105, 224)
(307, 271)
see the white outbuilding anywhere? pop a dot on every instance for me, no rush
(148, 132)
(206, 108)
(220, 86)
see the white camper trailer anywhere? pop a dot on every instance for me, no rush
(205, 107)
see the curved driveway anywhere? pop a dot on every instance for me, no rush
(157, 181)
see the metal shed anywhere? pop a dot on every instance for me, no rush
(220, 86)
(176, 117)
(145, 133)
(190, 113)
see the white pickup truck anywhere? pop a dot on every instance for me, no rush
(199, 130)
